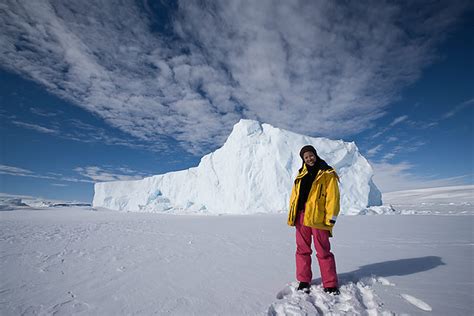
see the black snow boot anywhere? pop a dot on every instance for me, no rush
(303, 286)
(332, 290)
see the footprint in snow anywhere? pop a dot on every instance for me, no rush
(356, 298)
(417, 302)
(287, 290)
(384, 281)
(67, 305)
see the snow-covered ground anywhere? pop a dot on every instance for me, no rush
(79, 260)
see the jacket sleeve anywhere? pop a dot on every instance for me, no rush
(292, 208)
(332, 201)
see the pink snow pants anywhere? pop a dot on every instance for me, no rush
(327, 264)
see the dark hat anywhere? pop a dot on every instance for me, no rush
(307, 148)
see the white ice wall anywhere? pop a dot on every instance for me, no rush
(252, 172)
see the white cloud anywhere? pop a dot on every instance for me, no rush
(42, 113)
(393, 146)
(379, 133)
(384, 130)
(36, 127)
(59, 185)
(426, 125)
(371, 152)
(400, 176)
(91, 173)
(100, 174)
(388, 156)
(453, 111)
(398, 120)
(21, 172)
(15, 171)
(318, 68)
(87, 133)
(458, 108)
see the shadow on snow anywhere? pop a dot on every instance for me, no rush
(389, 268)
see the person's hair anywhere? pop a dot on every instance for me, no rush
(320, 163)
(307, 148)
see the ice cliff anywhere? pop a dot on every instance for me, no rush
(252, 172)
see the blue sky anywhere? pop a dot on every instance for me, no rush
(120, 90)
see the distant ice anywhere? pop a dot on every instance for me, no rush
(454, 200)
(9, 202)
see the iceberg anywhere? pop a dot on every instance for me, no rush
(252, 172)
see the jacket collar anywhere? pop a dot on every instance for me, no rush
(304, 172)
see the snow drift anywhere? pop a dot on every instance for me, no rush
(252, 172)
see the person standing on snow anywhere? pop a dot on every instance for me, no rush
(314, 206)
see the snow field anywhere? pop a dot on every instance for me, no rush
(78, 261)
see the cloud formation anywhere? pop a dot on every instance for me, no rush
(100, 174)
(89, 174)
(374, 150)
(36, 127)
(15, 171)
(76, 130)
(458, 108)
(313, 67)
(21, 172)
(400, 176)
(398, 120)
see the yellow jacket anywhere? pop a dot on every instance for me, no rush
(322, 206)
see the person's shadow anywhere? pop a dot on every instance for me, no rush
(389, 268)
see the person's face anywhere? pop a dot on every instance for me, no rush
(309, 158)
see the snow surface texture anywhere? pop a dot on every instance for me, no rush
(251, 173)
(77, 260)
